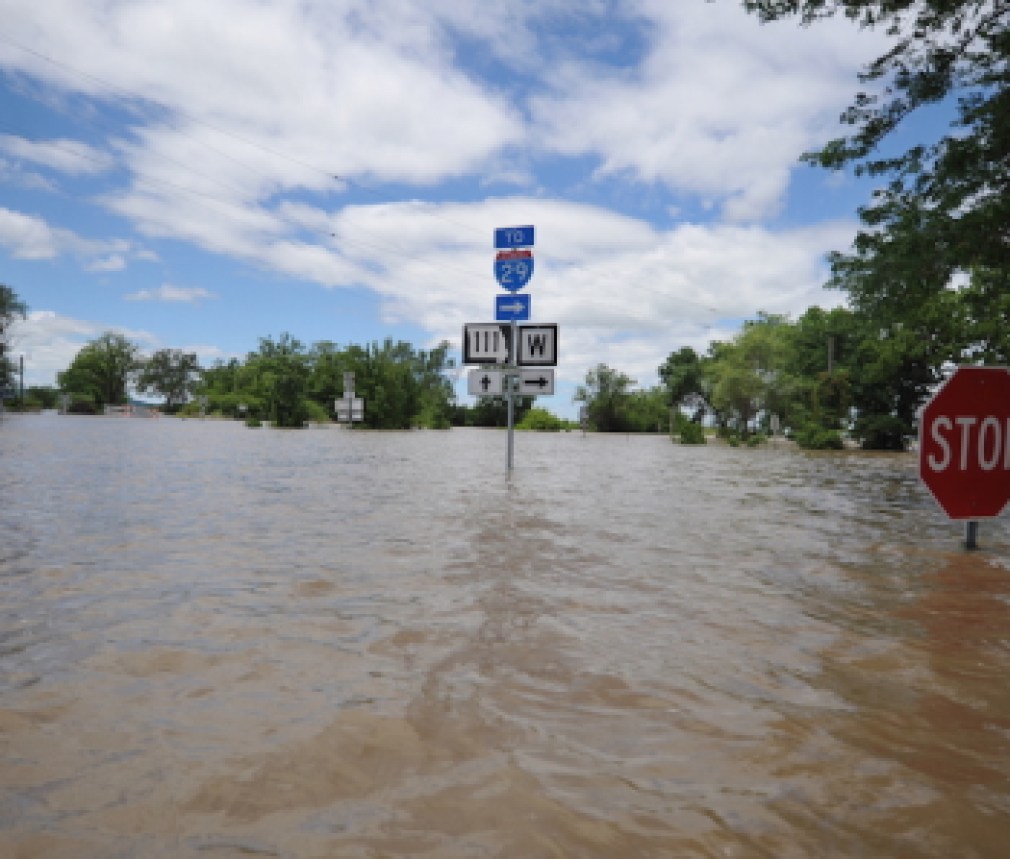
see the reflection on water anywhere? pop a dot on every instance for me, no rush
(221, 642)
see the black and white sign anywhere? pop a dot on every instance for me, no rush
(350, 409)
(486, 343)
(538, 345)
(536, 382)
(485, 383)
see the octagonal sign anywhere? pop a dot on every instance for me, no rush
(964, 443)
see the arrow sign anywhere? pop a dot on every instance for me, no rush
(484, 383)
(512, 307)
(536, 381)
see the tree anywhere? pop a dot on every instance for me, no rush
(101, 370)
(682, 375)
(945, 210)
(748, 377)
(11, 309)
(606, 396)
(279, 371)
(170, 373)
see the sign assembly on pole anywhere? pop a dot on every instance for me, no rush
(510, 347)
(964, 443)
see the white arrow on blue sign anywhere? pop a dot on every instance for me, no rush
(512, 307)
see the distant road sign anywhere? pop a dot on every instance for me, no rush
(350, 409)
(485, 383)
(512, 307)
(513, 237)
(486, 343)
(538, 381)
(538, 345)
(513, 269)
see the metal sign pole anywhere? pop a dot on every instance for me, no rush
(510, 381)
(971, 534)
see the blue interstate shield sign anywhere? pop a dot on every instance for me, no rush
(513, 269)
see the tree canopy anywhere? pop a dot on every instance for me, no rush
(171, 373)
(101, 371)
(943, 212)
(11, 309)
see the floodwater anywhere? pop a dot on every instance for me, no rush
(225, 642)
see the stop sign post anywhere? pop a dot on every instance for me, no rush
(964, 444)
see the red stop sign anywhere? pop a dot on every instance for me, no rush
(964, 443)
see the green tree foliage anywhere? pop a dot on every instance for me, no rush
(402, 387)
(542, 421)
(42, 396)
(682, 375)
(170, 373)
(278, 374)
(493, 412)
(101, 371)
(943, 214)
(749, 378)
(288, 384)
(607, 399)
(939, 49)
(11, 309)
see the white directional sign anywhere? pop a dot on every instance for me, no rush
(536, 381)
(350, 409)
(486, 343)
(485, 383)
(538, 345)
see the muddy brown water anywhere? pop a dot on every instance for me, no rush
(223, 642)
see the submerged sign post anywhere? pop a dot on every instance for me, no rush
(964, 445)
(504, 349)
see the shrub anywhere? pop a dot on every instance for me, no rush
(542, 420)
(814, 437)
(692, 433)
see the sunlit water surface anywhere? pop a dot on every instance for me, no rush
(218, 642)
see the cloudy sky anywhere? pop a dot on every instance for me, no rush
(198, 175)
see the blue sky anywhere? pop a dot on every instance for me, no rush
(200, 175)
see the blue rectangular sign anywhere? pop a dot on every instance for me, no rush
(512, 307)
(513, 237)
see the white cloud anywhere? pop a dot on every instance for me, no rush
(721, 108)
(622, 291)
(50, 341)
(30, 237)
(168, 292)
(67, 156)
(242, 115)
